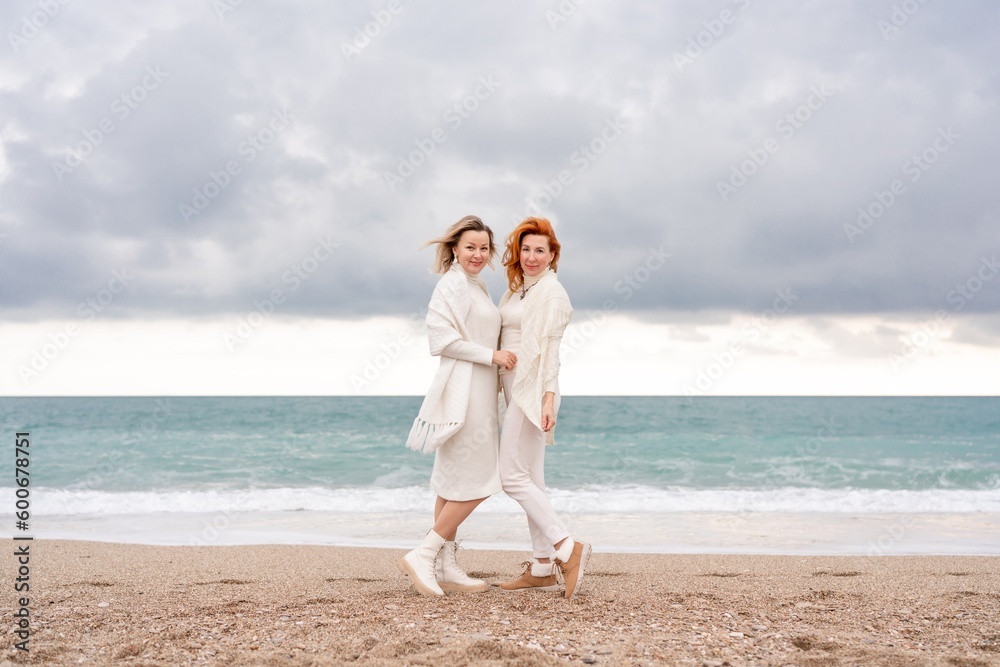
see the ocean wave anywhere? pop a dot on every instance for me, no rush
(593, 499)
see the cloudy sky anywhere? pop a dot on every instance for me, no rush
(225, 197)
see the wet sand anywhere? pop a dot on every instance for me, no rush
(102, 603)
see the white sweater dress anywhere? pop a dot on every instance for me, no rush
(465, 465)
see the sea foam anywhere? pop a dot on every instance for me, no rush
(592, 500)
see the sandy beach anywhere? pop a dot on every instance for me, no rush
(101, 603)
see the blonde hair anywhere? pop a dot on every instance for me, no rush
(512, 253)
(446, 244)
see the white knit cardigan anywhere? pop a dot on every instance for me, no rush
(442, 414)
(546, 316)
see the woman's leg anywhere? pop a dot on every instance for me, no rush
(448, 515)
(541, 549)
(422, 564)
(451, 515)
(522, 449)
(438, 506)
(538, 477)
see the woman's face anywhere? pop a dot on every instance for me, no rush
(472, 251)
(535, 254)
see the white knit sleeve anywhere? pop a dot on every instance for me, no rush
(469, 351)
(551, 364)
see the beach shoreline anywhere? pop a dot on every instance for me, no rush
(108, 603)
(777, 533)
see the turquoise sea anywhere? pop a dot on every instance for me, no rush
(760, 474)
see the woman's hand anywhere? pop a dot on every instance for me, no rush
(505, 359)
(548, 411)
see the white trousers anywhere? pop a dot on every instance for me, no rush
(522, 474)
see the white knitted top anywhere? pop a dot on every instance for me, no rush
(547, 312)
(513, 312)
(442, 413)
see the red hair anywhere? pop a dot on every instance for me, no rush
(512, 253)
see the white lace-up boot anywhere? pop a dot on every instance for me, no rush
(419, 565)
(450, 575)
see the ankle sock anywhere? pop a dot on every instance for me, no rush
(541, 569)
(566, 550)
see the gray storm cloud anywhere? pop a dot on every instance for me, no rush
(845, 151)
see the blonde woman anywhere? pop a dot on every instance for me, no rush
(458, 418)
(535, 311)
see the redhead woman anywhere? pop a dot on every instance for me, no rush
(534, 312)
(458, 418)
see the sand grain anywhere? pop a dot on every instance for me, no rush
(98, 603)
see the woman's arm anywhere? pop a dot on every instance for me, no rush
(551, 376)
(551, 369)
(467, 351)
(479, 354)
(548, 411)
